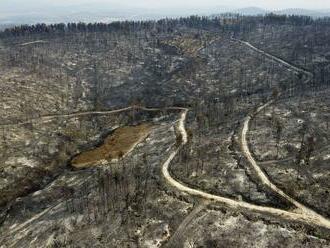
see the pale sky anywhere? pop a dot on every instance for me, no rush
(268, 4)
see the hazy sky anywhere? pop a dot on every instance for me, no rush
(268, 4)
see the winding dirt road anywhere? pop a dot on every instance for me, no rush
(307, 216)
(304, 214)
(263, 177)
(308, 213)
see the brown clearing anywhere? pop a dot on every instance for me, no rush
(187, 45)
(115, 146)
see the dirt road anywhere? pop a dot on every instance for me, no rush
(33, 42)
(307, 215)
(272, 57)
(179, 233)
(47, 118)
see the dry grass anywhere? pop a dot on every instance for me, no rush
(115, 146)
(187, 45)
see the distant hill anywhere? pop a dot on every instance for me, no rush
(53, 12)
(30, 14)
(306, 12)
(295, 11)
(250, 11)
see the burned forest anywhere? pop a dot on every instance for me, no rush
(181, 132)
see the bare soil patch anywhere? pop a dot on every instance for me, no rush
(115, 146)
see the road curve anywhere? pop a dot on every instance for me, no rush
(265, 180)
(263, 177)
(306, 215)
(309, 218)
